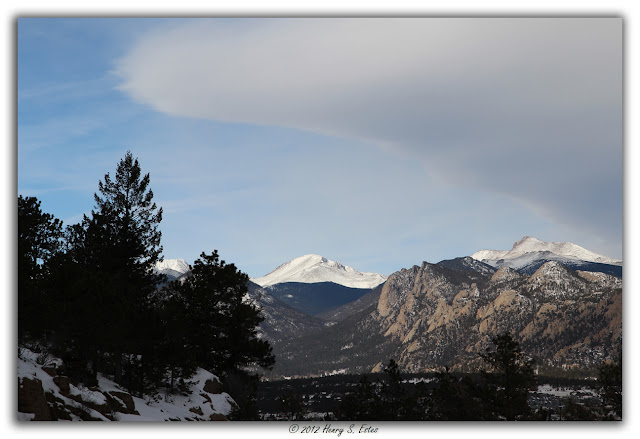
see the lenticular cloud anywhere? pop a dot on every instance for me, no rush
(501, 105)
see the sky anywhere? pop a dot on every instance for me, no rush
(378, 142)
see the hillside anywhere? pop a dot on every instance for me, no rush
(46, 394)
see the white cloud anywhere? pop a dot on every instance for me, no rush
(529, 108)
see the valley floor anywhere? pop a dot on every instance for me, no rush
(321, 395)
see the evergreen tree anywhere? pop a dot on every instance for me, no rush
(39, 240)
(292, 405)
(39, 237)
(244, 389)
(385, 400)
(172, 337)
(129, 218)
(392, 393)
(365, 404)
(84, 327)
(105, 282)
(210, 323)
(125, 245)
(610, 388)
(223, 323)
(457, 399)
(510, 379)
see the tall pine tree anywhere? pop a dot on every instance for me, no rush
(125, 236)
(510, 379)
(106, 281)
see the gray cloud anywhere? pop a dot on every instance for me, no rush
(527, 108)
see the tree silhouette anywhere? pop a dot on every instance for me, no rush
(292, 405)
(131, 218)
(223, 322)
(510, 377)
(39, 239)
(365, 404)
(384, 400)
(610, 388)
(457, 399)
(105, 283)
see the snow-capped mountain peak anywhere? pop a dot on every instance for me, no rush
(530, 245)
(315, 268)
(172, 267)
(527, 241)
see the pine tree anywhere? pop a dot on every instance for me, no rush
(106, 284)
(172, 337)
(39, 237)
(392, 393)
(292, 405)
(125, 244)
(128, 218)
(610, 388)
(510, 378)
(457, 399)
(365, 404)
(223, 335)
(39, 240)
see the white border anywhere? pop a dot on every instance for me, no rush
(626, 9)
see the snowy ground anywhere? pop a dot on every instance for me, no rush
(197, 405)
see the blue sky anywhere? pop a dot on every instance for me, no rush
(376, 143)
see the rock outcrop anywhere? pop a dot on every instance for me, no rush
(46, 394)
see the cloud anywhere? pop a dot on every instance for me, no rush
(529, 108)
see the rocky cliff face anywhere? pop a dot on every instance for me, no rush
(430, 316)
(565, 318)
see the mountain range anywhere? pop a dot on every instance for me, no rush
(563, 302)
(430, 316)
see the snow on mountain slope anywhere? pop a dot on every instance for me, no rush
(172, 267)
(531, 258)
(314, 268)
(529, 246)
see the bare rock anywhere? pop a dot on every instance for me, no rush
(213, 386)
(63, 383)
(50, 370)
(31, 399)
(129, 404)
(218, 417)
